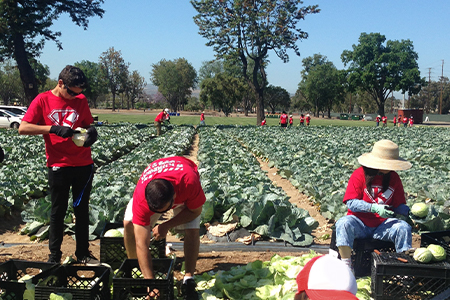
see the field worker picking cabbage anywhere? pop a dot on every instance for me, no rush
(171, 182)
(56, 114)
(374, 195)
(160, 118)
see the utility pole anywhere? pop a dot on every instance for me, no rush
(442, 83)
(429, 87)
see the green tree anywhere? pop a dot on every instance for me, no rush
(10, 85)
(249, 29)
(98, 84)
(322, 84)
(115, 69)
(175, 81)
(276, 96)
(135, 88)
(25, 25)
(380, 68)
(223, 91)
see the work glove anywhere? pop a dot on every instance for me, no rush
(91, 137)
(62, 131)
(382, 210)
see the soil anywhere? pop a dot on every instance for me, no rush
(16, 246)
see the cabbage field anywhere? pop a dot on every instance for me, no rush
(318, 160)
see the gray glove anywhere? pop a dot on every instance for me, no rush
(382, 210)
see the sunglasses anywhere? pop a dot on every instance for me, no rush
(162, 211)
(70, 92)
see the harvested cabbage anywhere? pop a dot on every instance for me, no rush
(423, 255)
(438, 252)
(79, 138)
(419, 210)
(113, 233)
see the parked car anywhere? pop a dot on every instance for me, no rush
(9, 119)
(18, 110)
(368, 118)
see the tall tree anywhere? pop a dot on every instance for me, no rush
(276, 96)
(115, 69)
(175, 80)
(249, 29)
(98, 84)
(135, 87)
(10, 85)
(379, 67)
(25, 25)
(322, 84)
(223, 91)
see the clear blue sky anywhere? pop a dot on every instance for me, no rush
(147, 31)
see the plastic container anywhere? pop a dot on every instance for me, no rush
(13, 270)
(392, 279)
(113, 252)
(83, 282)
(125, 286)
(441, 238)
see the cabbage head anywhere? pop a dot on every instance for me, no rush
(113, 233)
(423, 255)
(438, 252)
(419, 210)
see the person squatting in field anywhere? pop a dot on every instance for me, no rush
(167, 183)
(56, 114)
(374, 195)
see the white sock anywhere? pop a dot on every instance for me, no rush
(186, 278)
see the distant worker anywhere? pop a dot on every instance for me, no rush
(160, 119)
(291, 121)
(384, 120)
(302, 120)
(426, 119)
(308, 119)
(284, 119)
(411, 121)
(394, 120)
(202, 118)
(405, 121)
(378, 118)
(263, 122)
(399, 120)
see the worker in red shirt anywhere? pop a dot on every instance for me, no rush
(384, 120)
(291, 121)
(167, 183)
(411, 121)
(263, 122)
(394, 120)
(378, 118)
(284, 119)
(202, 118)
(405, 121)
(308, 119)
(399, 120)
(160, 118)
(302, 120)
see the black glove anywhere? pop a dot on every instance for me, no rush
(91, 137)
(62, 131)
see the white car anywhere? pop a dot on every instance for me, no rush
(18, 110)
(9, 119)
(368, 118)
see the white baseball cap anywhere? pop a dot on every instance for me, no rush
(166, 110)
(326, 278)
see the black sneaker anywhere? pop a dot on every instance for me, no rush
(189, 291)
(52, 259)
(89, 260)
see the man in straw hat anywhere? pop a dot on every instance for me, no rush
(374, 195)
(324, 278)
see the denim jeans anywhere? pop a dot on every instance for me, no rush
(60, 180)
(349, 228)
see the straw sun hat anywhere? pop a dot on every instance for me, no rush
(384, 156)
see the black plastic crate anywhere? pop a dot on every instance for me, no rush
(441, 238)
(83, 282)
(13, 270)
(112, 249)
(362, 253)
(392, 279)
(127, 287)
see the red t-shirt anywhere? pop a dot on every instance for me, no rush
(202, 117)
(405, 120)
(283, 119)
(394, 120)
(263, 122)
(411, 121)
(356, 189)
(384, 119)
(183, 175)
(291, 120)
(48, 109)
(302, 119)
(308, 118)
(160, 117)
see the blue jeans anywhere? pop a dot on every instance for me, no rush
(349, 228)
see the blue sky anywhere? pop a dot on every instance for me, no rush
(146, 31)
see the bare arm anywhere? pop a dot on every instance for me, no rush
(142, 235)
(33, 129)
